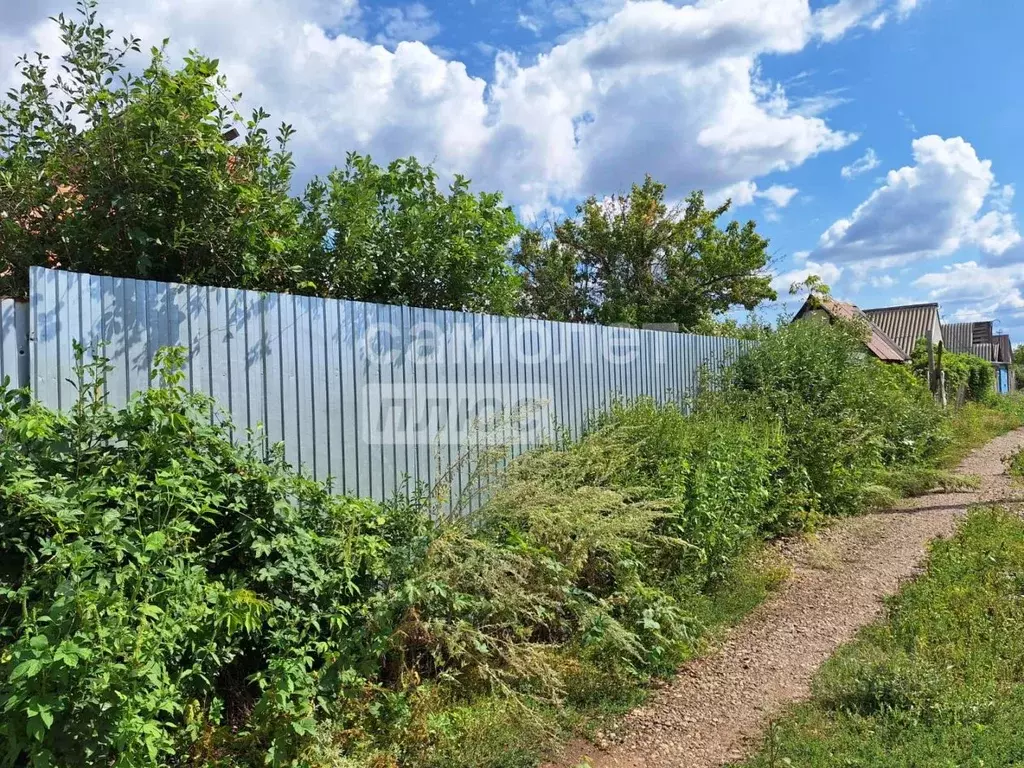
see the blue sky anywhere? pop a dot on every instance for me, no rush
(764, 101)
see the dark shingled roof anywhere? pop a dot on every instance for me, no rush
(905, 324)
(878, 342)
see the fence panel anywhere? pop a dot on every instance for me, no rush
(14, 353)
(373, 396)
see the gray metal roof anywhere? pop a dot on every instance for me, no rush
(969, 338)
(958, 337)
(905, 324)
(988, 352)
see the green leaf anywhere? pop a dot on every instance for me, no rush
(27, 669)
(304, 727)
(152, 611)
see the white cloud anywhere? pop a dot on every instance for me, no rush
(653, 86)
(563, 14)
(906, 7)
(530, 22)
(829, 274)
(866, 162)
(741, 193)
(410, 22)
(835, 20)
(971, 291)
(883, 281)
(779, 195)
(931, 208)
(745, 192)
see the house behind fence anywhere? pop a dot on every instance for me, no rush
(979, 338)
(368, 394)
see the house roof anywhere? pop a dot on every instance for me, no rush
(977, 338)
(968, 338)
(906, 324)
(878, 342)
(1005, 347)
(988, 352)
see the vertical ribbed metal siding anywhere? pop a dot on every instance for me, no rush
(14, 354)
(311, 373)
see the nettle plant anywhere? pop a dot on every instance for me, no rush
(165, 595)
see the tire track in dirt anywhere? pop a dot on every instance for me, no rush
(717, 707)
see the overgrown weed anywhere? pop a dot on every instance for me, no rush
(278, 624)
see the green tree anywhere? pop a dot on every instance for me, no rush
(554, 285)
(635, 259)
(112, 172)
(390, 235)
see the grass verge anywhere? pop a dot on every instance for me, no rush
(940, 682)
(974, 424)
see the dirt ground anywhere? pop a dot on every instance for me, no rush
(717, 707)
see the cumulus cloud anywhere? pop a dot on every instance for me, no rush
(410, 22)
(866, 162)
(638, 87)
(973, 291)
(829, 274)
(779, 195)
(931, 208)
(746, 192)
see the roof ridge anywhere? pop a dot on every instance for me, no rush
(904, 306)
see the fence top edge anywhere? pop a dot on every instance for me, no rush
(40, 273)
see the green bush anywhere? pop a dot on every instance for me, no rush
(165, 594)
(845, 417)
(971, 374)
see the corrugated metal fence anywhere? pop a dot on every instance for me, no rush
(367, 394)
(14, 355)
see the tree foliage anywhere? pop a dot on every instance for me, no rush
(117, 173)
(389, 235)
(966, 376)
(635, 259)
(138, 174)
(847, 416)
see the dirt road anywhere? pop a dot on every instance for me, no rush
(717, 707)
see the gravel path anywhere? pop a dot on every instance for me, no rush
(717, 707)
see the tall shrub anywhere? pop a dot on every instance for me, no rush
(845, 415)
(166, 596)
